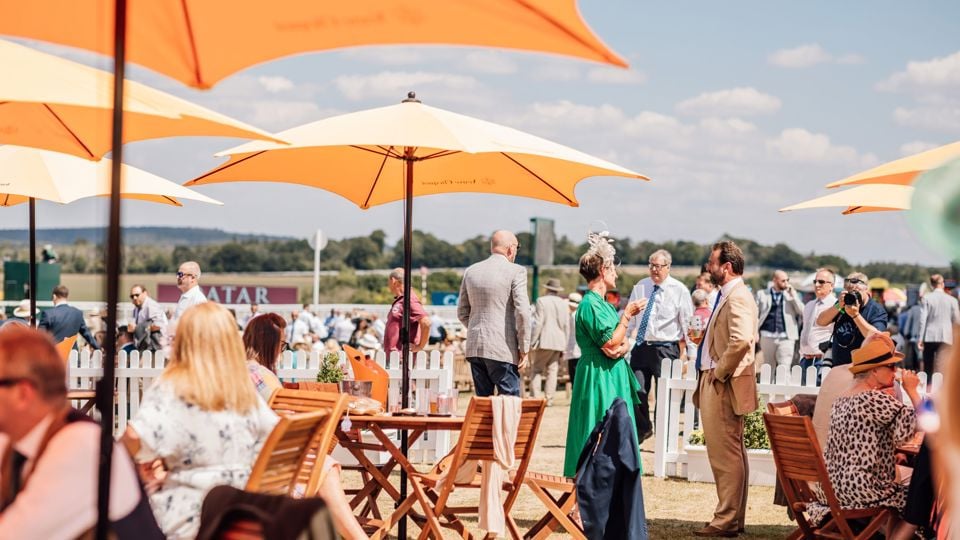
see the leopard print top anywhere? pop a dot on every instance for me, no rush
(865, 430)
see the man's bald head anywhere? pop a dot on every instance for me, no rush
(780, 280)
(504, 243)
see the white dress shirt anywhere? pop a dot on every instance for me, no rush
(811, 335)
(192, 297)
(60, 497)
(672, 309)
(706, 362)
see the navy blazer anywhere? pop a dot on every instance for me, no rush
(609, 491)
(64, 321)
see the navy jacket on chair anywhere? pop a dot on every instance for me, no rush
(64, 321)
(609, 491)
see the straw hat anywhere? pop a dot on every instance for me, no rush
(23, 309)
(877, 350)
(574, 299)
(368, 341)
(553, 284)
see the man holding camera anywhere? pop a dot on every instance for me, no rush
(855, 316)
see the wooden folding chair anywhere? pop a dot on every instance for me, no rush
(65, 346)
(783, 408)
(284, 401)
(285, 457)
(799, 462)
(558, 508)
(475, 443)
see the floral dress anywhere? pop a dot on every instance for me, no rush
(200, 449)
(865, 430)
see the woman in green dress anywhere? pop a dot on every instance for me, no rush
(602, 373)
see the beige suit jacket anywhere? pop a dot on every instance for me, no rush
(731, 339)
(551, 323)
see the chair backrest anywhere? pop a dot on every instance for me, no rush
(368, 370)
(285, 401)
(65, 346)
(799, 461)
(476, 440)
(783, 408)
(285, 454)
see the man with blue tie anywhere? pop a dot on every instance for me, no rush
(64, 320)
(727, 388)
(658, 329)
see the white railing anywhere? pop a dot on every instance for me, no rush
(674, 387)
(135, 372)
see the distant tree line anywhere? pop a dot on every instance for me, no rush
(373, 252)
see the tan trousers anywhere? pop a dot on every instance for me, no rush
(544, 362)
(723, 431)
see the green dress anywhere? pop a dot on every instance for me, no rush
(599, 379)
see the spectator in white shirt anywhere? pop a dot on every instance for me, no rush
(343, 330)
(812, 335)
(51, 452)
(188, 281)
(660, 328)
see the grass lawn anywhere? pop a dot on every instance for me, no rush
(674, 507)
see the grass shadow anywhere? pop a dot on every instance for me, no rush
(681, 529)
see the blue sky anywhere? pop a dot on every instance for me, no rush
(734, 109)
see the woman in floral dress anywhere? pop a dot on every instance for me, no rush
(202, 419)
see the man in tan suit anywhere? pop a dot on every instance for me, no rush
(550, 335)
(727, 388)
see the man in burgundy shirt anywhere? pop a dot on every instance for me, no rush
(419, 320)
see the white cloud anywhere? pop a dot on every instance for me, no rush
(809, 55)
(927, 76)
(939, 119)
(275, 84)
(489, 62)
(800, 57)
(802, 146)
(394, 84)
(610, 75)
(743, 101)
(915, 147)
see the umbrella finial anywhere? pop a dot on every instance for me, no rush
(411, 98)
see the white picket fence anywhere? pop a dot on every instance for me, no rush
(135, 372)
(673, 427)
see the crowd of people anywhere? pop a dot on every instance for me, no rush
(204, 420)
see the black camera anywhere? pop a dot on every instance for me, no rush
(851, 299)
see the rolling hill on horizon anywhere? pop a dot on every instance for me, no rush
(168, 236)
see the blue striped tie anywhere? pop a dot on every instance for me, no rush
(704, 340)
(642, 332)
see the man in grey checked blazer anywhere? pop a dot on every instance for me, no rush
(495, 309)
(938, 313)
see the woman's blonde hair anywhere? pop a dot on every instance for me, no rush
(207, 365)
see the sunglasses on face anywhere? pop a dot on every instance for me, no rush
(821, 282)
(854, 281)
(134, 295)
(181, 275)
(658, 267)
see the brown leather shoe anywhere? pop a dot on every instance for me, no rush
(712, 532)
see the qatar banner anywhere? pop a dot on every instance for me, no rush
(235, 294)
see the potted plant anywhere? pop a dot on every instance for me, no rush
(330, 373)
(763, 472)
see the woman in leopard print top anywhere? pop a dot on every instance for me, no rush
(867, 424)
